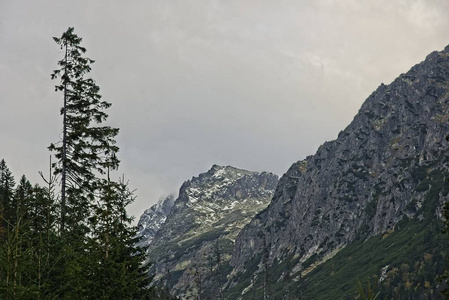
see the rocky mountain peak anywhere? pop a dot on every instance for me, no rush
(209, 212)
(217, 184)
(153, 218)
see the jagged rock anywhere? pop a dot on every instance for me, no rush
(389, 166)
(363, 182)
(152, 219)
(209, 212)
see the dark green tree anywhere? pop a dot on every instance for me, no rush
(43, 242)
(98, 257)
(83, 246)
(14, 252)
(366, 292)
(121, 273)
(25, 258)
(86, 148)
(7, 184)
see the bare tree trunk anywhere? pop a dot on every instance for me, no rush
(16, 259)
(39, 262)
(8, 268)
(64, 148)
(108, 199)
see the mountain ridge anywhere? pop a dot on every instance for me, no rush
(382, 182)
(205, 218)
(152, 219)
(365, 180)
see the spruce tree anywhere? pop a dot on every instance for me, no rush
(86, 148)
(16, 251)
(121, 274)
(7, 184)
(43, 242)
(98, 256)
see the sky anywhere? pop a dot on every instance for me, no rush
(257, 85)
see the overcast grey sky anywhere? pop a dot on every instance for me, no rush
(253, 84)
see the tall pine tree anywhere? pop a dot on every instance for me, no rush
(99, 259)
(86, 148)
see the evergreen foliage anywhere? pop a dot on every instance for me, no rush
(7, 184)
(86, 148)
(78, 244)
(100, 259)
(26, 260)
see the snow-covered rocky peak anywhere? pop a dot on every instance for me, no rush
(211, 208)
(227, 182)
(152, 219)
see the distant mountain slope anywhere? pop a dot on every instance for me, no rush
(152, 219)
(390, 164)
(192, 247)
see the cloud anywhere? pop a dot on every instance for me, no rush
(254, 84)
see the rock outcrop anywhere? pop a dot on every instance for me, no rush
(152, 219)
(193, 246)
(364, 182)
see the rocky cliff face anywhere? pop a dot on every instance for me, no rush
(194, 243)
(372, 176)
(152, 219)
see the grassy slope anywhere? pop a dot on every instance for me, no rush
(415, 253)
(408, 245)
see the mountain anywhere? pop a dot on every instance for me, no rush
(365, 210)
(381, 183)
(192, 245)
(153, 218)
